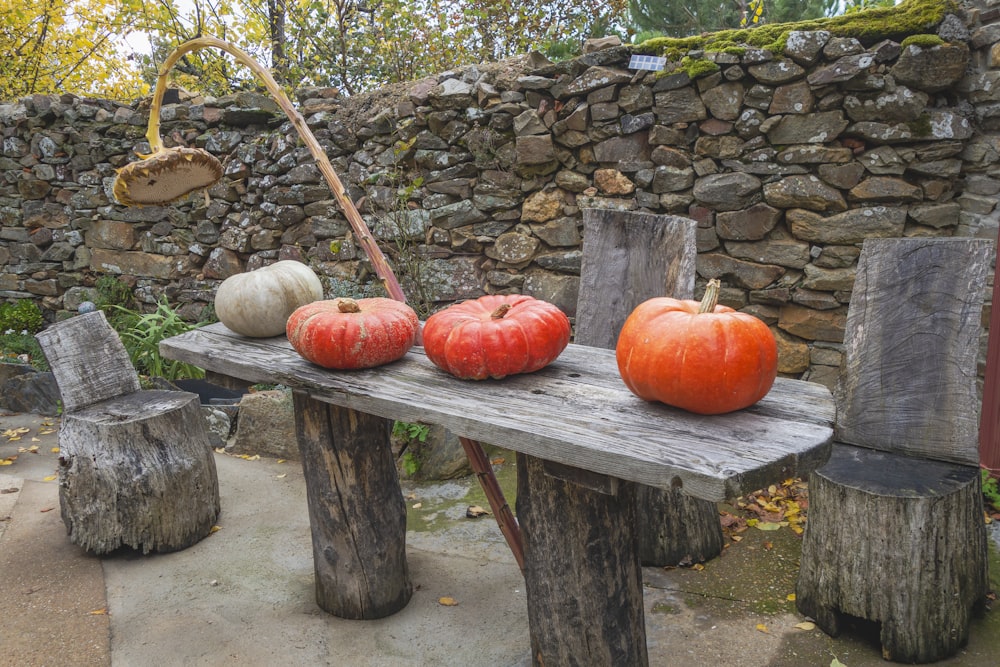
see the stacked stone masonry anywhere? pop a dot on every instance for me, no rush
(476, 179)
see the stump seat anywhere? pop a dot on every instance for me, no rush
(136, 469)
(896, 533)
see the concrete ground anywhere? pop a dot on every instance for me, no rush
(244, 595)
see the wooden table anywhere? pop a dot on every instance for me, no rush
(582, 440)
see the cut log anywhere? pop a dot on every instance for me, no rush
(902, 542)
(356, 510)
(138, 471)
(593, 617)
(627, 259)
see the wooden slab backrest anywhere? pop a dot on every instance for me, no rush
(628, 258)
(908, 383)
(88, 360)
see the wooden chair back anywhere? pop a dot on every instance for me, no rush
(628, 258)
(88, 360)
(908, 382)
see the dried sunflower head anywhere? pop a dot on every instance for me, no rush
(165, 176)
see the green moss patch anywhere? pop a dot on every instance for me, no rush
(912, 17)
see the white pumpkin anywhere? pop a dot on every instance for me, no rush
(258, 303)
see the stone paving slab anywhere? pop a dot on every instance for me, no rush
(243, 596)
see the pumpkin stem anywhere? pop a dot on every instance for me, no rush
(500, 311)
(348, 306)
(711, 298)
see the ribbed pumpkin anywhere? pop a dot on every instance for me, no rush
(258, 303)
(697, 356)
(348, 334)
(496, 336)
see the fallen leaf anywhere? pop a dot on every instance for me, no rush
(763, 628)
(282, 475)
(99, 612)
(768, 545)
(806, 625)
(46, 509)
(697, 567)
(837, 663)
(28, 450)
(280, 461)
(215, 529)
(54, 450)
(475, 511)
(50, 478)
(498, 461)
(34, 439)
(790, 597)
(770, 525)
(448, 602)
(417, 506)
(6, 462)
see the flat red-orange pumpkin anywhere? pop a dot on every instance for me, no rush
(348, 334)
(496, 336)
(704, 362)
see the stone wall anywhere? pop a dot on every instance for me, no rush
(475, 179)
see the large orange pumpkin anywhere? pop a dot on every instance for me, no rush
(697, 356)
(346, 334)
(496, 336)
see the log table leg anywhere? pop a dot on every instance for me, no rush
(582, 574)
(356, 510)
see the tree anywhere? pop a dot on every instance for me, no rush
(58, 46)
(675, 18)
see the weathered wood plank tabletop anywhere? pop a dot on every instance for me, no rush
(576, 411)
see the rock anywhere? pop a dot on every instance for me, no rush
(807, 192)
(728, 192)
(266, 426)
(852, 226)
(931, 69)
(819, 127)
(23, 389)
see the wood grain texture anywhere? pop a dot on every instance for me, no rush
(88, 360)
(356, 510)
(575, 411)
(629, 258)
(138, 471)
(582, 574)
(909, 379)
(896, 540)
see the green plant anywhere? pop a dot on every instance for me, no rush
(23, 316)
(18, 323)
(411, 431)
(142, 339)
(415, 434)
(991, 490)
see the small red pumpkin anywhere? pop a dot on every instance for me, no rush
(697, 356)
(495, 336)
(346, 333)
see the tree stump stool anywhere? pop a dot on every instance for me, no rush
(896, 533)
(628, 258)
(136, 467)
(902, 544)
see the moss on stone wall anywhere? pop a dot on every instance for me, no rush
(924, 41)
(869, 26)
